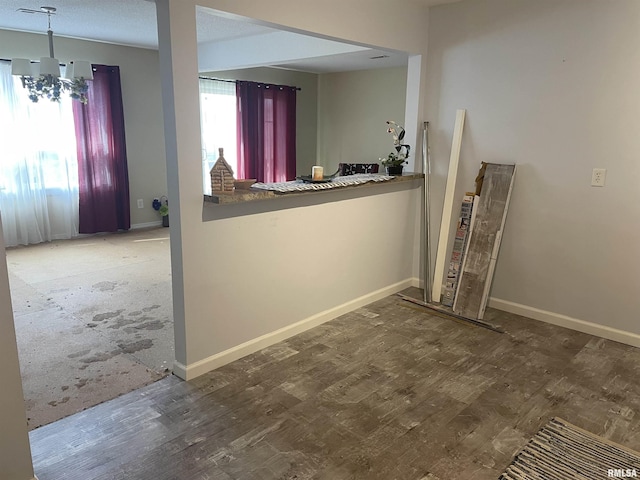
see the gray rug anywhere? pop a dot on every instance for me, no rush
(562, 451)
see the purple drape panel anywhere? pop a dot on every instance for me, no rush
(102, 157)
(266, 132)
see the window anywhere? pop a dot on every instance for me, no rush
(257, 118)
(38, 138)
(266, 131)
(218, 126)
(63, 168)
(39, 168)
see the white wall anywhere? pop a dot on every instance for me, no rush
(218, 265)
(551, 85)
(276, 48)
(301, 262)
(399, 25)
(142, 104)
(15, 454)
(353, 108)
(306, 106)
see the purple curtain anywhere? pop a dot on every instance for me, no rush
(266, 132)
(102, 157)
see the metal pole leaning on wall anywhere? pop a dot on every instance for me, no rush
(426, 169)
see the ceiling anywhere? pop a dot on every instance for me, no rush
(133, 23)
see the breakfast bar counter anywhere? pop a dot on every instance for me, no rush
(240, 196)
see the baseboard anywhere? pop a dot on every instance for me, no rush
(583, 326)
(193, 370)
(137, 226)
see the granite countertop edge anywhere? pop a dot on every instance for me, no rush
(246, 196)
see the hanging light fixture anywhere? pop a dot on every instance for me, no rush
(42, 80)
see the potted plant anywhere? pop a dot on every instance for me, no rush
(394, 163)
(161, 205)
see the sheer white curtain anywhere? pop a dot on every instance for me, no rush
(218, 112)
(38, 166)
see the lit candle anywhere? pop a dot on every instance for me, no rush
(317, 173)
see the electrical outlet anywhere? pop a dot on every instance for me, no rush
(598, 177)
(140, 203)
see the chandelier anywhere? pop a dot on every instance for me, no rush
(42, 80)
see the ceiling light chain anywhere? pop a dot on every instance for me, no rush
(42, 80)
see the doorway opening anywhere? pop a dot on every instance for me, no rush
(93, 318)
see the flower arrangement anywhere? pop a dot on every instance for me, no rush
(399, 157)
(78, 89)
(50, 87)
(161, 205)
(164, 210)
(393, 160)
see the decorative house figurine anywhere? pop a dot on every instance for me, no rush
(221, 175)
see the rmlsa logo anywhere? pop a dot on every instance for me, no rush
(622, 472)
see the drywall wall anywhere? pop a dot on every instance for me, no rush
(398, 25)
(142, 106)
(15, 453)
(307, 258)
(551, 85)
(353, 108)
(306, 106)
(235, 279)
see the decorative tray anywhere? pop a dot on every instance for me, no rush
(325, 178)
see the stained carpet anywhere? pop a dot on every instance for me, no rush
(561, 450)
(93, 319)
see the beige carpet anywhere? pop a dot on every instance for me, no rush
(93, 319)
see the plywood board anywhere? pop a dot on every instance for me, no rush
(477, 271)
(494, 254)
(447, 209)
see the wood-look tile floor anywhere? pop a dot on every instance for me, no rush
(386, 392)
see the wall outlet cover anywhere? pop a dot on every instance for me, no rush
(598, 177)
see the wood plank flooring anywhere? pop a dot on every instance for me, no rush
(389, 391)
(479, 260)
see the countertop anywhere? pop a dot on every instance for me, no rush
(254, 195)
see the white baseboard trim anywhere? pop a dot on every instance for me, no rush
(193, 370)
(628, 338)
(137, 226)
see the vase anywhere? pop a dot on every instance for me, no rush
(394, 169)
